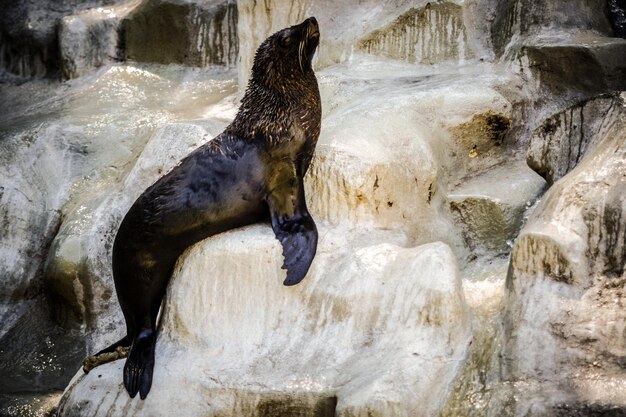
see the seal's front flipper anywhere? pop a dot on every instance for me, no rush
(298, 235)
(292, 223)
(140, 364)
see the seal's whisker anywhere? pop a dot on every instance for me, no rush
(300, 52)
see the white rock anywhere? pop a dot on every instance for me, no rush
(32, 190)
(342, 26)
(369, 325)
(565, 318)
(490, 207)
(78, 268)
(92, 38)
(562, 140)
(430, 34)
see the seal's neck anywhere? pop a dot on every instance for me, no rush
(272, 110)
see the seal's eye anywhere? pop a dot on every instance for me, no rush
(286, 40)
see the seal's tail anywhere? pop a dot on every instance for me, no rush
(140, 364)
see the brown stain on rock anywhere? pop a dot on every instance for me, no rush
(293, 405)
(427, 35)
(482, 132)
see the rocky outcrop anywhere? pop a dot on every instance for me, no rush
(517, 19)
(77, 273)
(562, 140)
(348, 347)
(427, 35)
(564, 318)
(29, 39)
(182, 32)
(490, 207)
(92, 38)
(588, 63)
(61, 199)
(419, 186)
(73, 38)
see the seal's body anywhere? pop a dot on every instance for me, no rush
(252, 169)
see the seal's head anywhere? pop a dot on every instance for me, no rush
(287, 54)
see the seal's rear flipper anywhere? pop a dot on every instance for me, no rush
(292, 223)
(140, 364)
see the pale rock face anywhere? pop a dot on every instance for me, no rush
(560, 142)
(92, 38)
(78, 270)
(490, 207)
(382, 163)
(387, 153)
(31, 193)
(564, 319)
(419, 168)
(348, 335)
(417, 32)
(63, 195)
(430, 34)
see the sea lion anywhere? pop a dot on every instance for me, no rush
(252, 169)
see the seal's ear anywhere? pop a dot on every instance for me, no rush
(291, 222)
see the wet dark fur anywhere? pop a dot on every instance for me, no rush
(251, 170)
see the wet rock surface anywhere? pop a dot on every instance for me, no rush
(585, 62)
(617, 16)
(450, 279)
(92, 38)
(62, 201)
(29, 38)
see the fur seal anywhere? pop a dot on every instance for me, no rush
(252, 169)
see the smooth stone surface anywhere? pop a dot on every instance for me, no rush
(398, 131)
(353, 339)
(78, 267)
(92, 38)
(490, 207)
(388, 150)
(591, 64)
(565, 319)
(194, 33)
(516, 19)
(60, 174)
(430, 34)
(562, 140)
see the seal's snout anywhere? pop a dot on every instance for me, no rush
(313, 29)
